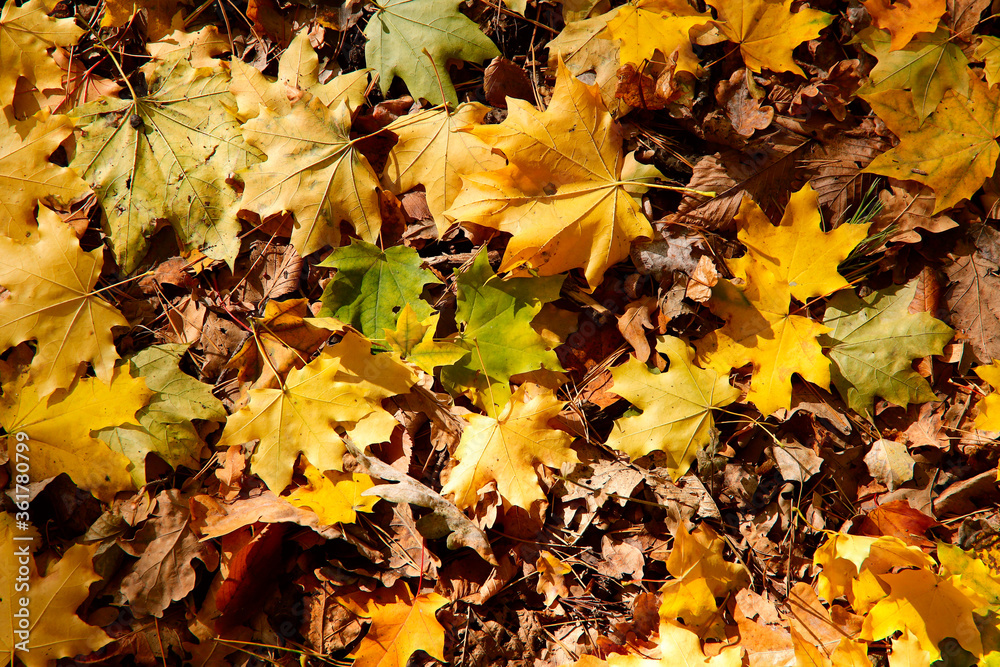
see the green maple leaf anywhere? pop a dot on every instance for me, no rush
(873, 343)
(496, 330)
(165, 426)
(401, 29)
(372, 284)
(166, 156)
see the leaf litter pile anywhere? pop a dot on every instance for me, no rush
(533, 333)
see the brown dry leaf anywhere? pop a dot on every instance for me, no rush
(907, 211)
(834, 167)
(551, 577)
(973, 296)
(166, 545)
(503, 79)
(634, 322)
(638, 89)
(211, 518)
(742, 108)
(704, 277)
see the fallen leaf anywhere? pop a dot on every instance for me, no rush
(647, 26)
(335, 497)
(507, 448)
(399, 26)
(401, 624)
(26, 32)
(889, 463)
(676, 405)
(414, 341)
(566, 206)
(551, 577)
(988, 418)
(905, 18)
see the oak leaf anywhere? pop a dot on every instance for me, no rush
(495, 330)
(928, 66)
(60, 425)
(795, 259)
(26, 32)
(54, 630)
(52, 301)
(767, 31)
(905, 18)
(551, 577)
(401, 624)
(165, 155)
(371, 285)
(335, 497)
(298, 73)
(166, 546)
(988, 418)
(676, 406)
(507, 448)
(342, 387)
(401, 31)
(431, 151)
(165, 425)
(872, 343)
(567, 194)
(26, 175)
(647, 26)
(314, 170)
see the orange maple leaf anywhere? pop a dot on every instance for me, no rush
(401, 624)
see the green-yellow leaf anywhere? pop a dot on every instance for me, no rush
(677, 406)
(414, 341)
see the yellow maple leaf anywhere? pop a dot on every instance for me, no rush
(677, 646)
(401, 624)
(298, 73)
(906, 652)
(414, 341)
(767, 30)
(26, 32)
(314, 170)
(647, 26)
(795, 259)
(51, 301)
(988, 418)
(930, 607)
(431, 151)
(51, 629)
(677, 406)
(505, 450)
(26, 175)
(58, 428)
(905, 18)
(333, 495)
(566, 194)
(342, 387)
(842, 557)
(701, 574)
(953, 151)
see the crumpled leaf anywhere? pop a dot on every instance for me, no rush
(26, 175)
(54, 630)
(551, 577)
(165, 156)
(905, 18)
(506, 449)
(496, 331)
(872, 342)
(401, 623)
(371, 285)
(565, 195)
(342, 387)
(953, 151)
(676, 406)
(335, 497)
(431, 151)
(165, 426)
(298, 73)
(26, 32)
(889, 463)
(463, 532)
(60, 426)
(314, 170)
(767, 31)
(51, 301)
(795, 259)
(400, 30)
(647, 26)
(166, 547)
